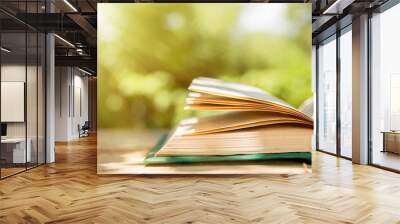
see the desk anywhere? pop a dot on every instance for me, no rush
(15, 148)
(391, 141)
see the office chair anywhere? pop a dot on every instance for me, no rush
(84, 130)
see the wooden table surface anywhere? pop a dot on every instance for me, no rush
(122, 152)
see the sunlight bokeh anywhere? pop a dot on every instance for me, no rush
(149, 53)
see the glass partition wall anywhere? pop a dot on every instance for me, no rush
(22, 98)
(334, 95)
(327, 95)
(385, 89)
(334, 84)
(345, 93)
(13, 90)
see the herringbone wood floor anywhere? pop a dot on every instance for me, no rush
(70, 191)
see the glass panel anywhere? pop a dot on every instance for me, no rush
(385, 86)
(41, 98)
(314, 88)
(23, 90)
(346, 94)
(32, 87)
(327, 96)
(32, 95)
(14, 153)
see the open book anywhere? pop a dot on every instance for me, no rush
(255, 126)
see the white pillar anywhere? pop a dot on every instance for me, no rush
(360, 90)
(50, 99)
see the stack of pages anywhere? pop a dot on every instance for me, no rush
(255, 126)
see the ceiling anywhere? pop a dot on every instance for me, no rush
(75, 21)
(332, 15)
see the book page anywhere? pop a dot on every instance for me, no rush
(230, 89)
(235, 120)
(269, 139)
(209, 86)
(246, 107)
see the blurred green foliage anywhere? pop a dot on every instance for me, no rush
(149, 53)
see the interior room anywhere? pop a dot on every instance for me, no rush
(71, 100)
(384, 89)
(22, 99)
(51, 97)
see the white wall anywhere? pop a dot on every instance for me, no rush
(71, 94)
(80, 109)
(12, 73)
(62, 81)
(33, 126)
(13, 101)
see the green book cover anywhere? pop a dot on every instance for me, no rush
(152, 159)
